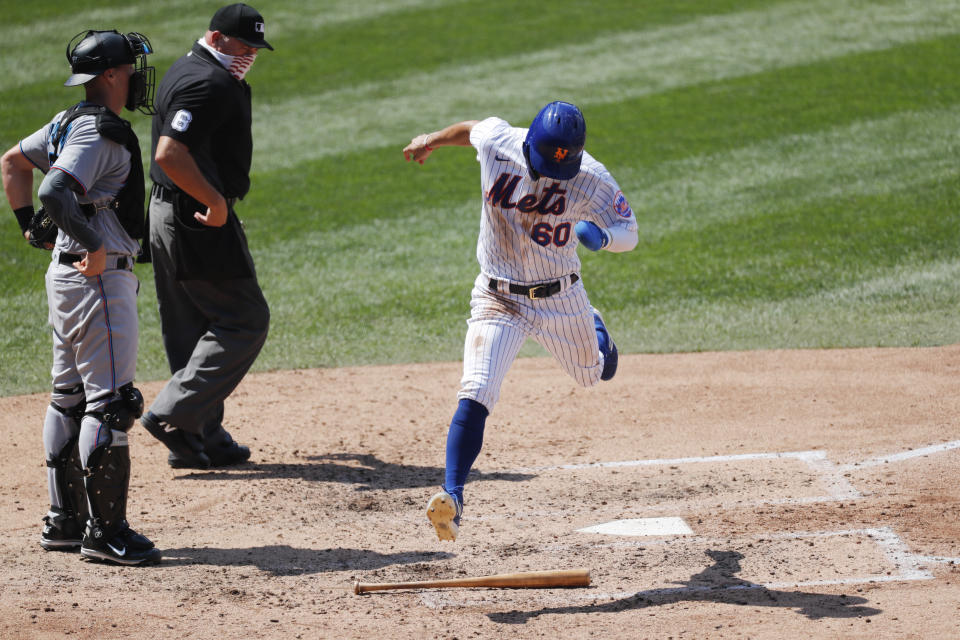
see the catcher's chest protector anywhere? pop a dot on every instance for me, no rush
(129, 200)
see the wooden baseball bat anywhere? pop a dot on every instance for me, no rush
(522, 580)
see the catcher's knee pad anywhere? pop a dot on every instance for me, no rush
(122, 411)
(62, 395)
(107, 480)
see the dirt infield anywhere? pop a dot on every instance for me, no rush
(821, 490)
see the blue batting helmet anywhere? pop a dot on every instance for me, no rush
(554, 143)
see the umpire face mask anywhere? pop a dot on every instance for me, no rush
(238, 66)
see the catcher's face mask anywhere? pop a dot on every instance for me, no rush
(143, 79)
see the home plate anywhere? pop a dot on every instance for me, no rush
(642, 527)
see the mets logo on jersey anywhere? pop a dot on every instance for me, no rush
(621, 206)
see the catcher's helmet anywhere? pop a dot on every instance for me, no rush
(554, 143)
(90, 53)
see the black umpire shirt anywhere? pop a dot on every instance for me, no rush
(204, 107)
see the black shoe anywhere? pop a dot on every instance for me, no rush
(222, 457)
(231, 454)
(61, 531)
(185, 446)
(223, 450)
(126, 547)
(220, 447)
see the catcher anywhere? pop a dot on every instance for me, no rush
(92, 215)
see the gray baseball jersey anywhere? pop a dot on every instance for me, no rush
(94, 320)
(100, 166)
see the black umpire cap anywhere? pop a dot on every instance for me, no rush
(240, 21)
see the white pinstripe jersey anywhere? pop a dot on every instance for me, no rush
(526, 229)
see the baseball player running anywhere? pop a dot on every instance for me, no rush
(542, 195)
(92, 196)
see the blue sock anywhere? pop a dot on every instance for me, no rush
(607, 348)
(464, 440)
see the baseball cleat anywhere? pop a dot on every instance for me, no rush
(60, 531)
(444, 511)
(126, 547)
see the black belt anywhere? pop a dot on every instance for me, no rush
(160, 192)
(90, 209)
(166, 194)
(113, 262)
(535, 291)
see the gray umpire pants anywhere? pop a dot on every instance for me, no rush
(212, 332)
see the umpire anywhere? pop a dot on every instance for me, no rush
(213, 315)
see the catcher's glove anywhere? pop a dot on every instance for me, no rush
(42, 230)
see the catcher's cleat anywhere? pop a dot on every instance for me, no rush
(444, 511)
(125, 547)
(61, 532)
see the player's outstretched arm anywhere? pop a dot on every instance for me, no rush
(456, 135)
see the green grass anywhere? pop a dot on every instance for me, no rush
(792, 166)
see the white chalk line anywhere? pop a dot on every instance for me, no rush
(838, 487)
(939, 559)
(799, 455)
(900, 457)
(909, 568)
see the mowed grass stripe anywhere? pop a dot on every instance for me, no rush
(172, 26)
(903, 306)
(791, 249)
(608, 69)
(713, 116)
(866, 158)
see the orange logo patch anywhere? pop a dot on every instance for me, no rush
(560, 153)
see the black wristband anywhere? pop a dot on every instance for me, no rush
(24, 214)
